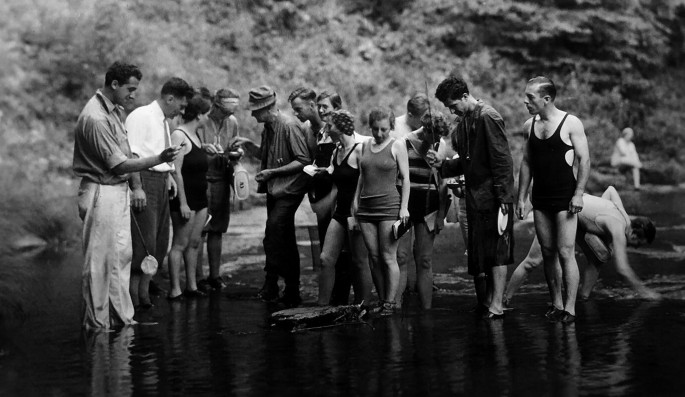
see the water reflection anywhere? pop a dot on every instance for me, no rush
(221, 345)
(109, 356)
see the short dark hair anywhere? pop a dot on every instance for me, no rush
(545, 86)
(378, 114)
(122, 72)
(644, 227)
(196, 106)
(304, 93)
(452, 87)
(177, 87)
(335, 99)
(417, 105)
(225, 93)
(204, 93)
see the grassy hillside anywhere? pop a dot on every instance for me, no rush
(617, 63)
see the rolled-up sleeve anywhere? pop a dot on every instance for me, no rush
(501, 163)
(104, 143)
(298, 144)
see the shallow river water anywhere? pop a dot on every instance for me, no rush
(222, 345)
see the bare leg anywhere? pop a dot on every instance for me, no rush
(636, 177)
(545, 231)
(566, 238)
(182, 229)
(590, 276)
(360, 261)
(388, 254)
(333, 244)
(499, 279)
(370, 235)
(532, 261)
(190, 254)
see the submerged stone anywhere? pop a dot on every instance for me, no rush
(313, 317)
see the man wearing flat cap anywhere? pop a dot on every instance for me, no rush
(284, 154)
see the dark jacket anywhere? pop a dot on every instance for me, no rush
(484, 159)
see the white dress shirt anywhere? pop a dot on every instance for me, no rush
(148, 133)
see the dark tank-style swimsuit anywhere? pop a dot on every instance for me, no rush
(194, 172)
(345, 178)
(553, 179)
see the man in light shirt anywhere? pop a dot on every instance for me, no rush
(103, 161)
(148, 133)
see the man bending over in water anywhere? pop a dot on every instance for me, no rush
(602, 223)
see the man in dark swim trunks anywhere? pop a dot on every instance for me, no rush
(555, 143)
(604, 232)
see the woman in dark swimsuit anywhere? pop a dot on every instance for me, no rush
(189, 207)
(345, 174)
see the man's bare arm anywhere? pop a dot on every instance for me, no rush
(582, 152)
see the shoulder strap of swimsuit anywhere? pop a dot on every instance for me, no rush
(187, 136)
(560, 124)
(349, 153)
(532, 128)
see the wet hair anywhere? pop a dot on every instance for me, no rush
(643, 227)
(452, 87)
(417, 105)
(335, 99)
(344, 121)
(304, 93)
(122, 72)
(177, 87)
(196, 106)
(226, 93)
(439, 123)
(378, 114)
(545, 86)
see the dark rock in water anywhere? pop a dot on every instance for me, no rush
(314, 317)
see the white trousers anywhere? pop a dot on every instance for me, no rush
(106, 214)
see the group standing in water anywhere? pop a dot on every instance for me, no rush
(366, 192)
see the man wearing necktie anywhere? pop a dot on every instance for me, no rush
(148, 132)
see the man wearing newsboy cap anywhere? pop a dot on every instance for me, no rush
(284, 154)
